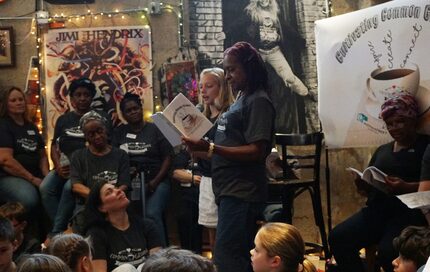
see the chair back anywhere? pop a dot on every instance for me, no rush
(309, 159)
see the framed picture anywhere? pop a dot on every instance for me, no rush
(7, 50)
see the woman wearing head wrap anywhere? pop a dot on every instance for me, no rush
(99, 161)
(55, 189)
(241, 144)
(385, 216)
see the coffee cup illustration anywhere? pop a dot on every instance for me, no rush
(385, 83)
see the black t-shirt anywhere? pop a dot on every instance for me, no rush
(147, 148)
(26, 143)
(250, 119)
(405, 164)
(87, 168)
(70, 135)
(425, 167)
(131, 246)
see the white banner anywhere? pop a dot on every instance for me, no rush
(116, 59)
(363, 58)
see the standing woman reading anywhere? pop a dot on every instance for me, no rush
(242, 142)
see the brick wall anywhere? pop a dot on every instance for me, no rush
(308, 11)
(205, 25)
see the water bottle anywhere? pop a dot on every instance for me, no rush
(135, 188)
(64, 161)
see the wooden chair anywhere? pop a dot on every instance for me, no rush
(289, 188)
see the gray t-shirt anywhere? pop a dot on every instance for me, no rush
(250, 119)
(87, 168)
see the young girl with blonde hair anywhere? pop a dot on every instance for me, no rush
(279, 247)
(216, 97)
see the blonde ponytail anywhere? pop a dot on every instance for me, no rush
(308, 266)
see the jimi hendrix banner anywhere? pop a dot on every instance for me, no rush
(365, 57)
(116, 59)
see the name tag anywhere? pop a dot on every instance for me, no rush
(31, 132)
(131, 136)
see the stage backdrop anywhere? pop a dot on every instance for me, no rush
(116, 59)
(365, 57)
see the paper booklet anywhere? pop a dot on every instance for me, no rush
(416, 200)
(373, 176)
(179, 118)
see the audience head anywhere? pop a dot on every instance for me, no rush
(82, 84)
(15, 212)
(400, 116)
(279, 247)
(93, 126)
(104, 198)
(12, 101)
(7, 243)
(244, 68)
(214, 90)
(74, 250)
(131, 108)
(413, 245)
(41, 263)
(177, 260)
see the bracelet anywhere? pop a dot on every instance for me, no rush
(211, 149)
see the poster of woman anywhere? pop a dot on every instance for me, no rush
(270, 26)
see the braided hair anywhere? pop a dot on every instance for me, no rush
(70, 248)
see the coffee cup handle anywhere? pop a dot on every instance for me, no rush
(370, 92)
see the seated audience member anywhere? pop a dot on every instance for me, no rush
(55, 189)
(177, 260)
(41, 263)
(99, 161)
(7, 245)
(117, 237)
(15, 212)
(413, 245)
(190, 232)
(385, 216)
(75, 251)
(23, 160)
(149, 152)
(279, 247)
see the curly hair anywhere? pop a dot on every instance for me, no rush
(70, 248)
(413, 244)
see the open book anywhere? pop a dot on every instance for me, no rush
(373, 176)
(416, 200)
(179, 118)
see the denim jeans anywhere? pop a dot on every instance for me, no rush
(376, 224)
(17, 189)
(236, 231)
(58, 200)
(156, 204)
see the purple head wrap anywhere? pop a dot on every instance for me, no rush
(401, 105)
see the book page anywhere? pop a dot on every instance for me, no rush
(355, 171)
(169, 131)
(376, 178)
(416, 200)
(377, 174)
(187, 118)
